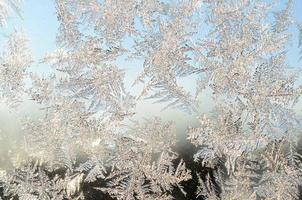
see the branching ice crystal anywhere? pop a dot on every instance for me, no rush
(236, 49)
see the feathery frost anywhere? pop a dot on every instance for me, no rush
(237, 49)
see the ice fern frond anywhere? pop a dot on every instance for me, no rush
(94, 168)
(143, 167)
(7, 8)
(223, 143)
(15, 60)
(281, 177)
(31, 182)
(159, 48)
(207, 188)
(283, 18)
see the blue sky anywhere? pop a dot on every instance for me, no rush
(40, 25)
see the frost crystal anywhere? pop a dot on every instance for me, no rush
(236, 50)
(15, 59)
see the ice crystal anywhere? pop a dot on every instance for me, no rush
(15, 60)
(245, 59)
(237, 49)
(7, 8)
